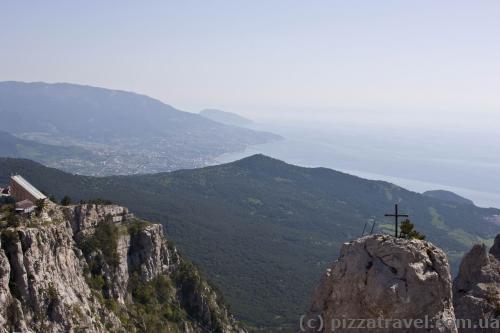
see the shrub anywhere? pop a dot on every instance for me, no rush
(9, 238)
(136, 226)
(96, 282)
(408, 231)
(13, 220)
(40, 204)
(104, 239)
(99, 201)
(154, 303)
(52, 293)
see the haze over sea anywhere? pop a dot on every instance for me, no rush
(417, 156)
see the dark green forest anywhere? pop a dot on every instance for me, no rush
(264, 231)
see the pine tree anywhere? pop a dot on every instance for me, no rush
(66, 201)
(408, 231)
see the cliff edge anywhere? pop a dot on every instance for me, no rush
(96, 268)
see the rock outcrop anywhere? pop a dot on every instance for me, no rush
(476, 289)
(96, 268)
(386, 280)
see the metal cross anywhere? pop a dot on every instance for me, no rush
(396, 216)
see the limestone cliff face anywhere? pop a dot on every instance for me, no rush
(91, 268)
(380, 276)
(476, 290)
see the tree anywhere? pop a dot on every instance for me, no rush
(66, 201)
(408, 231)
(40, 204)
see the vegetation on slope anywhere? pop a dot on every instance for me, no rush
(47, 154)
(176, 297)
(162, 304)
(264, 230)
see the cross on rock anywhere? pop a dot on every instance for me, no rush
(396, 216)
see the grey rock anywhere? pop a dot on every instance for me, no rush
(476, 289)
(381, 277)
(44, 274)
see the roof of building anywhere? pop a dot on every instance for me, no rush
(24, 204)
(28, 187)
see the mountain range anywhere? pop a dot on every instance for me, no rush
(228, 118)
(263, 230)
(128, 133)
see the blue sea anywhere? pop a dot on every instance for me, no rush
(462, 162)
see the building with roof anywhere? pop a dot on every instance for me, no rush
(21, 189)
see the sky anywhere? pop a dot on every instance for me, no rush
(415, 60)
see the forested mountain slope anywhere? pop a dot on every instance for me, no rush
(128, 133)
(262, 229)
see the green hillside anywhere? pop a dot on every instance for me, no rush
(448, 196)
(70, 158)
(264, 230)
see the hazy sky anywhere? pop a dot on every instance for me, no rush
(410, 57)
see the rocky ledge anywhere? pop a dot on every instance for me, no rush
(96, 268)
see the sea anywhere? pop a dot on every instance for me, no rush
(417, 159)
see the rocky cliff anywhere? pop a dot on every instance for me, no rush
(96, 268)
(476, 290)
(381, 277)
